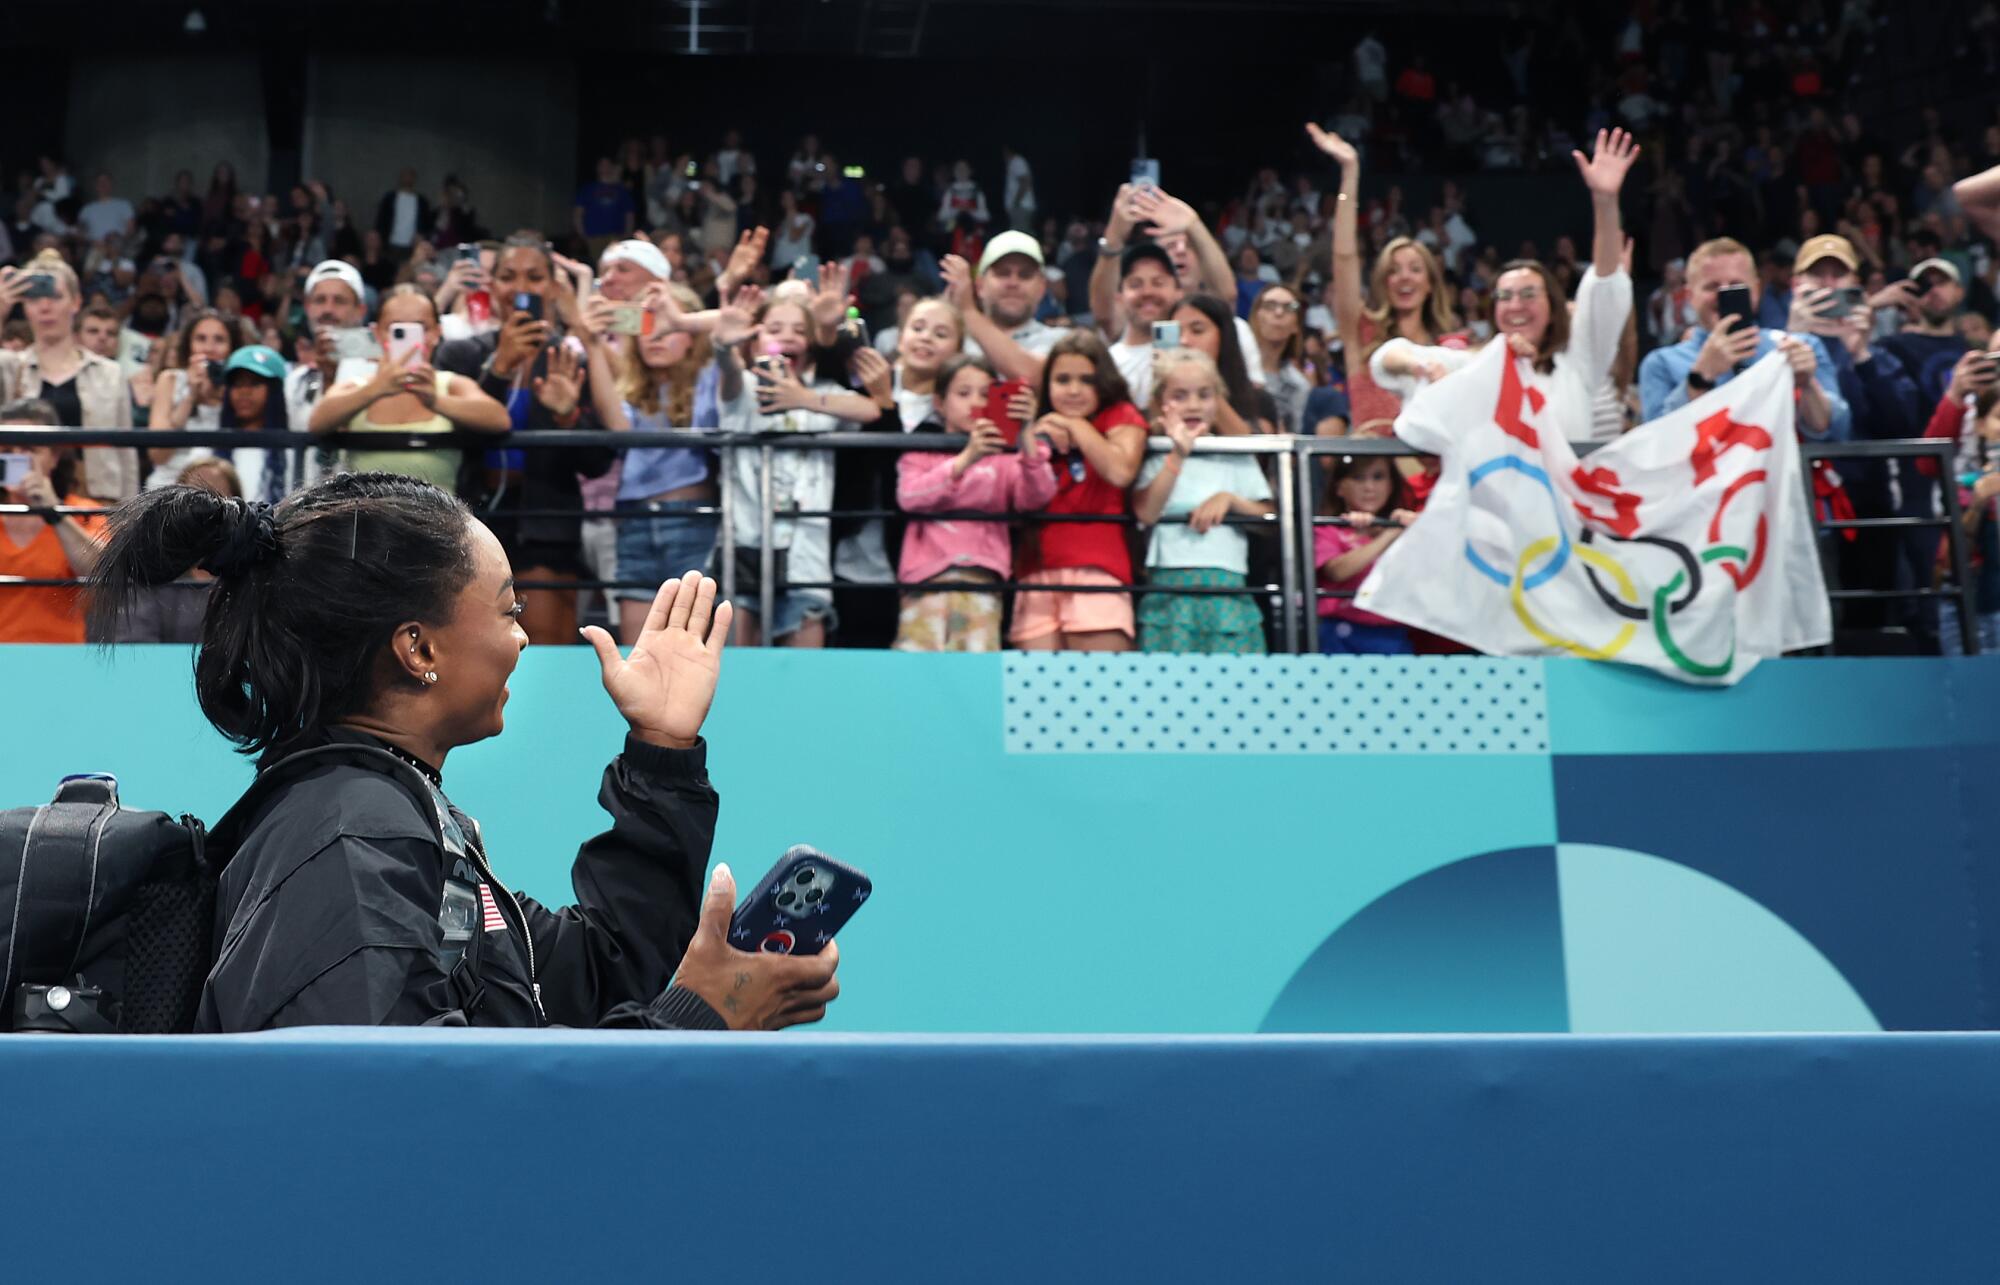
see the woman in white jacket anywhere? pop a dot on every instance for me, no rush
(1572, 354)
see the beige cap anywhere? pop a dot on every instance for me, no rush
(1827, 246)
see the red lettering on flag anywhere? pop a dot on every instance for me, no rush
(1717, 434)
(1508, 413)
(1623, 520)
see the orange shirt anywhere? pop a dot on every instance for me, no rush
(42, 614)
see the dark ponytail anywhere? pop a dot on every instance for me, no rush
(305, 596)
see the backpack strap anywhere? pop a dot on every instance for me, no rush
(59, 886)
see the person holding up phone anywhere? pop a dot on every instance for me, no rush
(187, 396)
(406, 395)
(672, 379)
(984, 477)
(1884, 403)
(87, 390)
(540, 380)
(1722, 274)
(43, 545)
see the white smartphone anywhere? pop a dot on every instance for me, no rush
(14, 467)
(405, 337)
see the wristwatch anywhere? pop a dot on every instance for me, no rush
(1699, 382)
(1106, 250)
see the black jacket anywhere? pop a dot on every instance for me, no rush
(351, 899)
(549, 477)
(385, 214)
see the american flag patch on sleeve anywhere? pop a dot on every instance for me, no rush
(494, 921)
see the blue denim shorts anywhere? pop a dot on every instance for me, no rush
(663, 547)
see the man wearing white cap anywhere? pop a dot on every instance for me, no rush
(335, 301)
(628, 267)
(1008, 288)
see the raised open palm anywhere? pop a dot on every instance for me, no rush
(1605, 169)
(1332, 144)
(665, 686)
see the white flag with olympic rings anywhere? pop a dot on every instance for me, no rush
(1685, 546)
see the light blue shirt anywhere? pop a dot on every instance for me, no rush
(655, 470)
(1663, 381)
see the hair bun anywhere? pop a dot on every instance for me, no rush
(250, 535)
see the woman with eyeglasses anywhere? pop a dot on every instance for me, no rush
(1572, 355)
(1274, 320)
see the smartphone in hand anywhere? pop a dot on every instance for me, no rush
(631, 319)
(1733, 302)
(405, 337)
(798, 907)
(999, 399)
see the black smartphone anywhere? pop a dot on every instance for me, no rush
(1732, 302)
(528, 303)
(41, 285)
(214, 372)
(469, 252)
(798, 907)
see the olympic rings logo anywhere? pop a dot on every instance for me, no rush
(1625, 597)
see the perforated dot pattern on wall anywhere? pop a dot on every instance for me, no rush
(1068, 703)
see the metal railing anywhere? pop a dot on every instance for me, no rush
(1294, 462)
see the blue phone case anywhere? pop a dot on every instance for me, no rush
(798, 907)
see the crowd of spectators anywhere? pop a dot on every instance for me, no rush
(707, 291)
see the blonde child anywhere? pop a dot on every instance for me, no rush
(1185, 498)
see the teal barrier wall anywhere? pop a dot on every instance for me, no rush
(1125, 844)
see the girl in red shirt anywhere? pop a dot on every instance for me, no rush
(1099, 439)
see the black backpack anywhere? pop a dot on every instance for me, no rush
(107, 915)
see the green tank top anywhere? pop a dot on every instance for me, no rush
(440, 468)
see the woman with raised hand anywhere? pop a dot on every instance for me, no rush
(1408, 287)
(371, 622)
(1571, 355)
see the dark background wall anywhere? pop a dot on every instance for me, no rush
(520, 95)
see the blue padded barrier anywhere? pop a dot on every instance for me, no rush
(468, 1155)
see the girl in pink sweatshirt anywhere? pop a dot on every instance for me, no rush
(986, 477)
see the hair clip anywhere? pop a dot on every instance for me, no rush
(354, 535)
